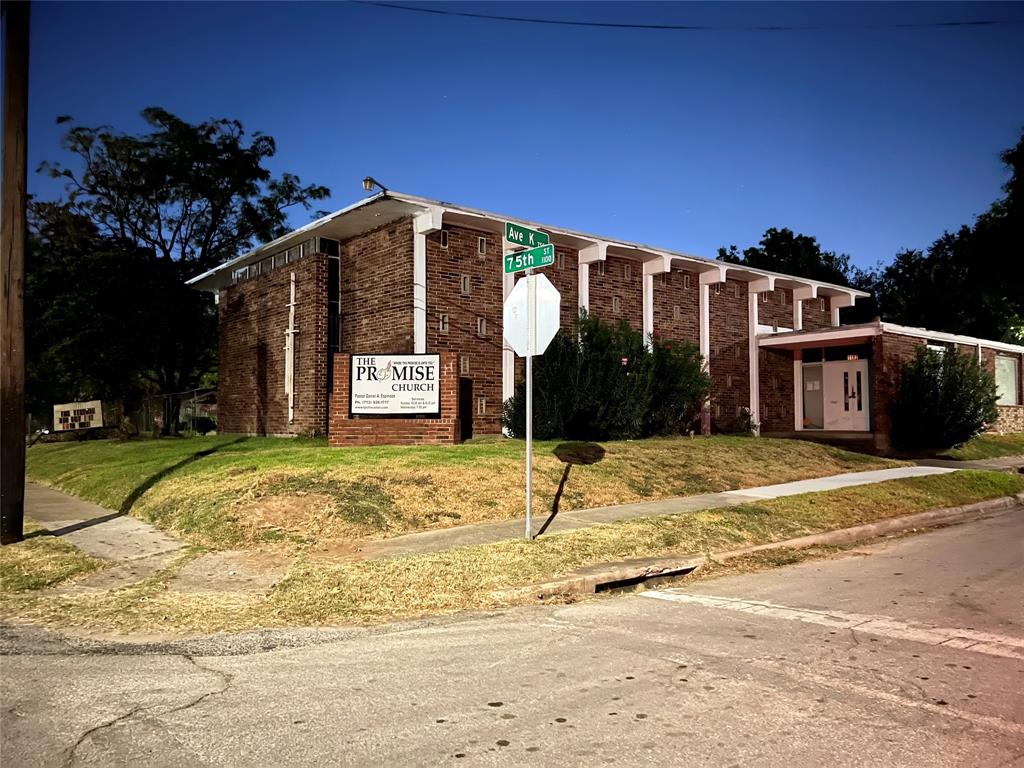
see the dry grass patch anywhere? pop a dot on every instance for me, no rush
(318, 593)
(41, 561)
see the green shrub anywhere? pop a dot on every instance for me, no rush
(942, 400)
(598, 381)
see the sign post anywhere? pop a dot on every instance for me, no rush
(531, 320)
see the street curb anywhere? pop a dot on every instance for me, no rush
(599, 577)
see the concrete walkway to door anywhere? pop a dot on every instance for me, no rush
(489, 533)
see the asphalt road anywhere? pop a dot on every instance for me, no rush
(908, 652)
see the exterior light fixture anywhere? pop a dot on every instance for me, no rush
(369, 183)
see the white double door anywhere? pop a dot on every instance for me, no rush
(845, 388)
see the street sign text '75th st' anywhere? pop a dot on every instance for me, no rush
(541, 256)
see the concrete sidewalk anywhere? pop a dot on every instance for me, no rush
(1001, 464)
(489, 533)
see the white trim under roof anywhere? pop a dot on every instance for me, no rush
(867, 330)
(410, 204)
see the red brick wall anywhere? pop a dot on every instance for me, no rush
(778, 310)
(376, 290)
(814, 316)
(445, 268)
(346, 430)
(613, 283)
(777, 390)
(730, 354)
(253, 317)
(671, 293)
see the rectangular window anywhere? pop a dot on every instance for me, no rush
(442, 324)
(718, 411)
(728, 381)
(821, 304)
(686, 280)
(464, 364)
(627, 271)
(738, 351)
(677, 312)
(560, 260)
(481, 326)
(736, 290)
(481, 246)
(616, 304)
(465, 285)
(481, 406)
(782, 296)
(600, 268)
(764, 297)
(663, 279)
(1008, 380)
(718, 289)
(444, 238)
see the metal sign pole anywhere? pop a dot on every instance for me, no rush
(531, 335)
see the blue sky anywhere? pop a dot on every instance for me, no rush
(871, 140)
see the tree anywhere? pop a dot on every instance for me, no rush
(780, 250)
(970, 281)
(600, 382)
(180, 199)
(942, 400)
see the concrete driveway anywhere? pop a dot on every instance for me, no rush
(904, 653)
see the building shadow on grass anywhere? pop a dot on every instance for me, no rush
(145, 485)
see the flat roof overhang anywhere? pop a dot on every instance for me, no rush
(840, 336)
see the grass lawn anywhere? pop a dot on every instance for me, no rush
(41, 561)
(988, 447)
(319, 593)
(225, 491)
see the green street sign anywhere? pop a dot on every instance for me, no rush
(519, 235)
(541, 256)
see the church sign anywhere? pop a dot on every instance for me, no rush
(395, 385)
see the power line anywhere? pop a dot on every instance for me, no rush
(695, 27)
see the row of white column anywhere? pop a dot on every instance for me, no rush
(708, 274)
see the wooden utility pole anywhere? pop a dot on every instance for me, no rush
(13, 234)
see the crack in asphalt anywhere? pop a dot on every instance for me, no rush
(225, 678)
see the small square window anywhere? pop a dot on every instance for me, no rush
(560, 260)
(481, 326)
(464, 364)
(444, 238)
(616, 304)
(481, 246)
(600, 268)
(442, 324)
(627, 271)
(677, 312)
(686, 280)
(465, 285)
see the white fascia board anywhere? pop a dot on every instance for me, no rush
(924, 333)
(834, 334)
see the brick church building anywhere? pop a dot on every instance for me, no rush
(395, 273)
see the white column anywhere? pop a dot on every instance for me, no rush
(754, 290)
(799, 296)
(584, 287)
(508, 356)
(706, 279)
(652, 267)
(798, 392)
(837, 303)
(423, 225)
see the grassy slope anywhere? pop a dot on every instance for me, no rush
(378, 590)
(988, 447)
(225, 492)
